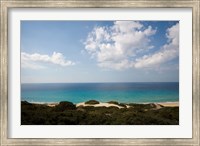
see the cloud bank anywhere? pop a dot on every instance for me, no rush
(117, 47)
(167, 52)
(35, 60)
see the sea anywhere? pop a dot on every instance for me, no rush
(131, 92)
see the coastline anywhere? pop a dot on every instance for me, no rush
(169, 104)
(106, 104)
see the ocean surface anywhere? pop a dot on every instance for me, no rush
(104, 92)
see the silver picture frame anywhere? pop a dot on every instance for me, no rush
(7, 4)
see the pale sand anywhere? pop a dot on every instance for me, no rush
(104, 104)
(169, 104)
(101, 104)
(52, 104)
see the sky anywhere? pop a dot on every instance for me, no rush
(99, 51)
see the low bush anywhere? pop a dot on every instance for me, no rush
(113, 102)
(66, 113)
(65, 105)
(92, 102)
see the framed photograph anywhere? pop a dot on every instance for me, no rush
(100, 72)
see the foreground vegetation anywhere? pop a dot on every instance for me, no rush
(66, 113)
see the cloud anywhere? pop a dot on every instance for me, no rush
(113, 46)
(32, 60)
(118, 46)
(31, 65)
(167, 52)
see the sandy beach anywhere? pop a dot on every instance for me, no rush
(101, 104)
(169, 104)
(105, 104)
(52, 104)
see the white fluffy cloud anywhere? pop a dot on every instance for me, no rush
(113, 46)
(117, 46)
(32, 60)
(168, 52)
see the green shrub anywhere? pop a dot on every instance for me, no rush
(122, 105)
(65, 105)
(65, 113)
(92, 102)
(113, 102)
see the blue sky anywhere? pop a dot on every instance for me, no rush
(99, 51)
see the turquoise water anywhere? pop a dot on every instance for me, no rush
(104, 92)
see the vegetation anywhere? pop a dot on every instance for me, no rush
(66, 113)
(113, 102)
(65, 105)
(116, 103)
(92, 102)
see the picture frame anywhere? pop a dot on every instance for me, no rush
(4, 91)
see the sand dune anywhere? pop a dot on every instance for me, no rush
(169, 104)
(104, 104)
(101, 104)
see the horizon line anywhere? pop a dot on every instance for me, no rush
(99, 82)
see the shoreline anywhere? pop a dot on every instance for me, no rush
(106, 104)
(169, 104)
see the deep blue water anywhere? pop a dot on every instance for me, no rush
(104, 92)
